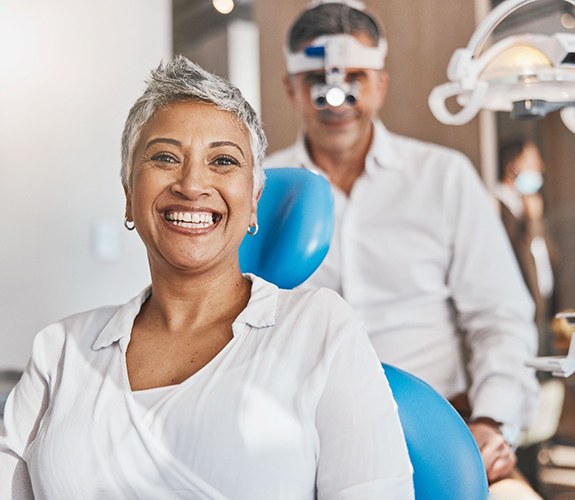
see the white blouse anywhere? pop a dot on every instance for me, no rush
(296, 406)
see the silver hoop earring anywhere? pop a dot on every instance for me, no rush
(253, 229)
(129, 224)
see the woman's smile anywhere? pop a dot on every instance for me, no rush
(191, 219)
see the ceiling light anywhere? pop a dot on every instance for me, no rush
(223, 6)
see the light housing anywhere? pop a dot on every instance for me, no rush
(528, 75)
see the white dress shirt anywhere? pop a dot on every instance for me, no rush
(296, 406)
(420, 253)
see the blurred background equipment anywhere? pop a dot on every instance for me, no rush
(528, 75)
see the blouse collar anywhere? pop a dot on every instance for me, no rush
(259, 313)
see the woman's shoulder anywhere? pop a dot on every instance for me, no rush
(76, 325)
(90, 323)
(320, 306)
(75, 333)
(316, 295)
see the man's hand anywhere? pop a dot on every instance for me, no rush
(498, 457)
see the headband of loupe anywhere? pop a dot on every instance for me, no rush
(528, 75)
(333, 54)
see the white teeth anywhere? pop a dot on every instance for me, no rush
(190, 219)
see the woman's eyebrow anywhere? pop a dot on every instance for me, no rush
(218, 144)
(164, 140)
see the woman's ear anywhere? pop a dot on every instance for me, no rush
(128, 210)
(255, 199)
(259, 194)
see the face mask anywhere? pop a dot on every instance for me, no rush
(528, 182)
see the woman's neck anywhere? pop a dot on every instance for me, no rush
(181, 301)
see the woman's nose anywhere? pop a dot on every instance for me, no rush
(192, 181)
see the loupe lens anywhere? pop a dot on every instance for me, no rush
(351, 99)
(320, 101)
(335, 96)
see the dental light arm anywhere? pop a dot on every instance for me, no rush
(527, 75)
(334, 54)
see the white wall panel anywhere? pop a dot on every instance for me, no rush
(69, 71)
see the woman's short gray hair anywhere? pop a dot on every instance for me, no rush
(182, 80)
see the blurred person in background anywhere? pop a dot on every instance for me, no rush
(522, 209)
(418, 249)
(521, 204)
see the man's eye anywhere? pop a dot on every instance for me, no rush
(355, 77)
(314, 79)
(225, 161)
(164, 158)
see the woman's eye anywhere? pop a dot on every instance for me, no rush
(164, 158)
(225, 161)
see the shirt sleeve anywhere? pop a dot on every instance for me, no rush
(23, 413)
(363, 453)
(494, 308)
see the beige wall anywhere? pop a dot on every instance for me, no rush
(422, 36)
(558, 149)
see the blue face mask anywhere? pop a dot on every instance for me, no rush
(528, 182)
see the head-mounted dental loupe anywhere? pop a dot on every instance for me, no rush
(528, 75)
(334, 54)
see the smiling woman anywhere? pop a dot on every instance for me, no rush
(190, 172)
(210, 383)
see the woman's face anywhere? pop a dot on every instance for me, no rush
(190, 194)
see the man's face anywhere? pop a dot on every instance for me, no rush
(343, 127)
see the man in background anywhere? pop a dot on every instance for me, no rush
(418, 250)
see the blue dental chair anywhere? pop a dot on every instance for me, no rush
(295, 216)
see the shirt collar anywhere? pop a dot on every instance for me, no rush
(382, 152)
(262, 306)
(259, 313)
(119, 327)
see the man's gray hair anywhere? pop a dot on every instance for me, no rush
(332, 18)
(182, 80)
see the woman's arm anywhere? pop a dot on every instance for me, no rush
(23, 412)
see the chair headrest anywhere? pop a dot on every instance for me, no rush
(295, 218)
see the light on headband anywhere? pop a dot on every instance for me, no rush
(334, 54)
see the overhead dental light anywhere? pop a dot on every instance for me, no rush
(528, 75)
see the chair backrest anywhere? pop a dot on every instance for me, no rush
(295, 218)
(447, 464)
